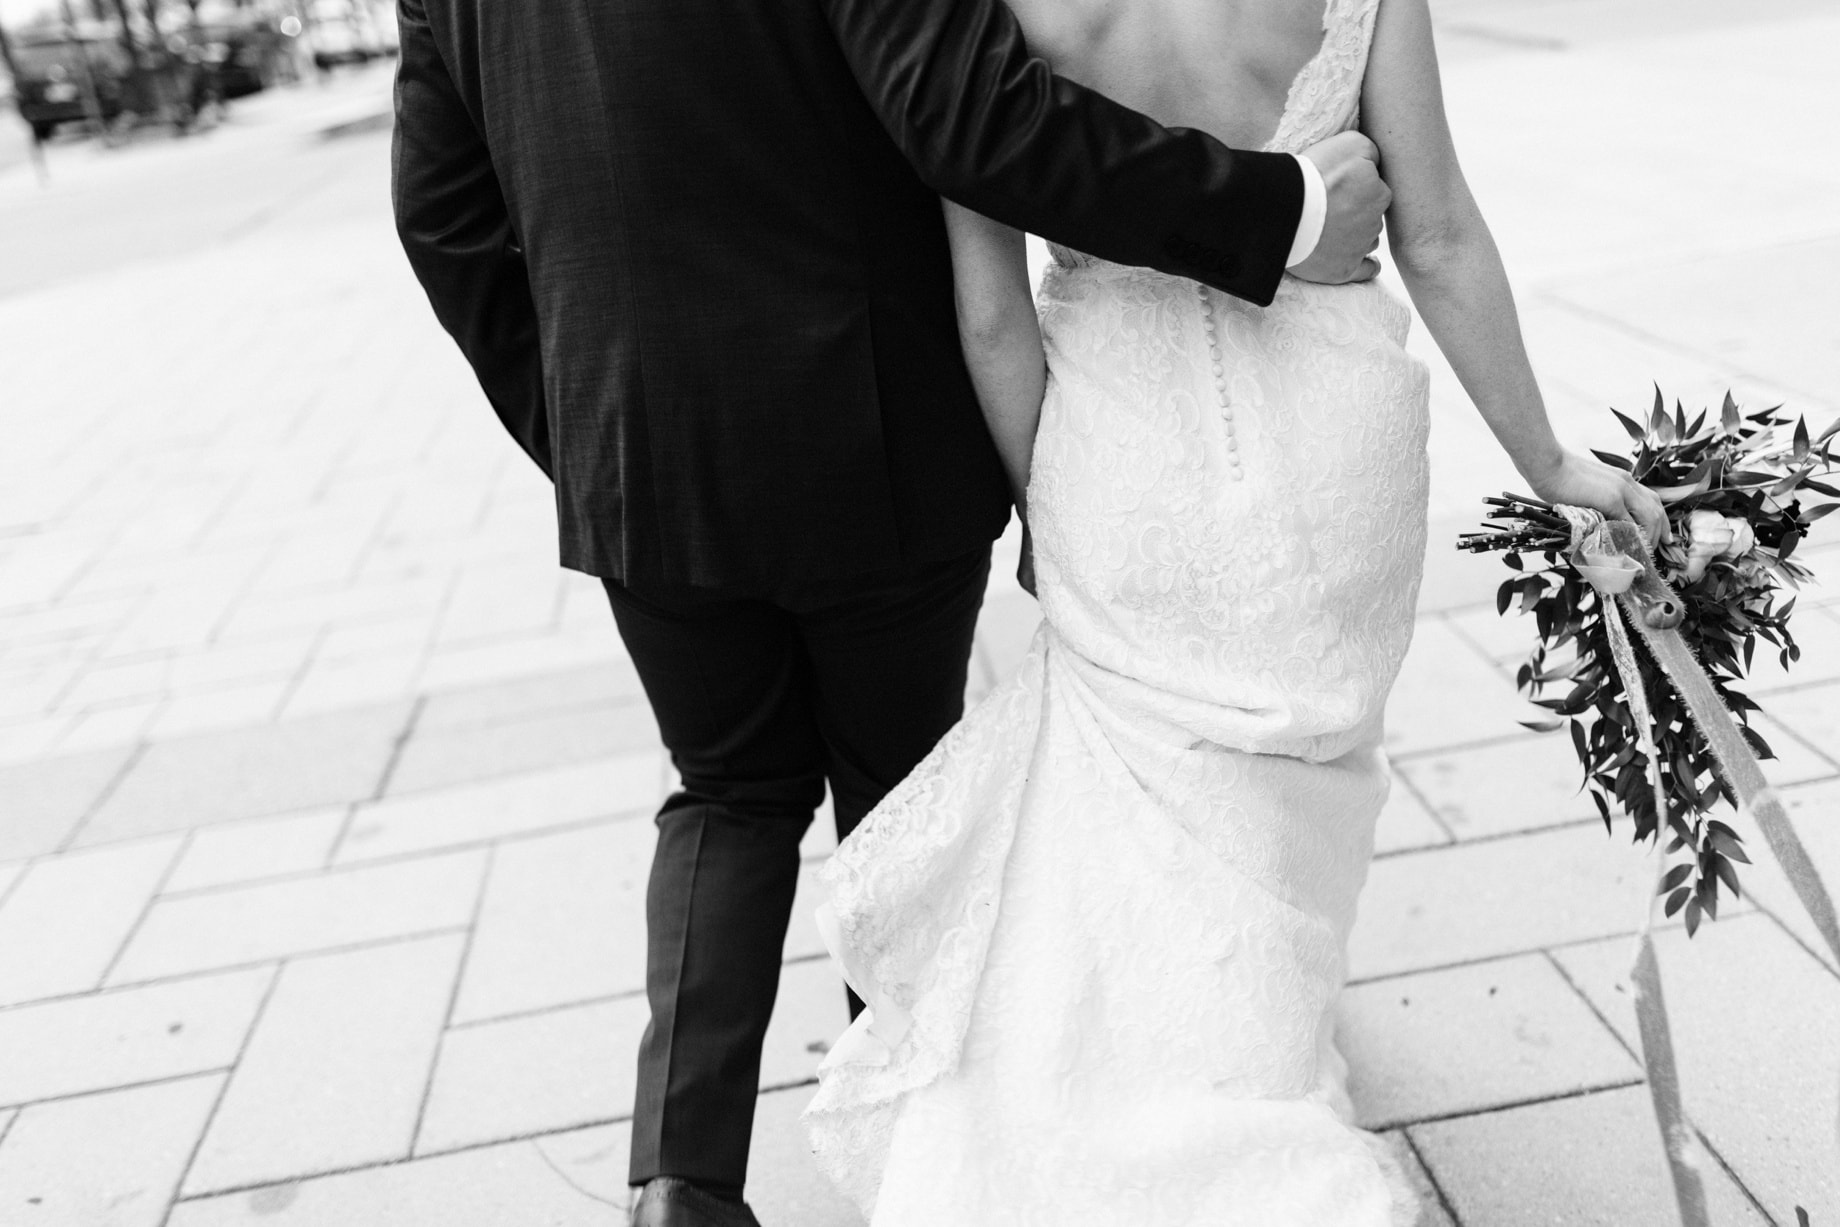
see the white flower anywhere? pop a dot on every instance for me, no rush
(1709, 535)
(1743, 537)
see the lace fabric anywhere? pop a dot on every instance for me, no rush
(1102, 925)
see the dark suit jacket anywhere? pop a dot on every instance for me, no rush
(694, 251)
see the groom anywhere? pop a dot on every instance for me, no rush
(694, 252)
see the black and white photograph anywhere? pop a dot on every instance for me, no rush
(919, 613)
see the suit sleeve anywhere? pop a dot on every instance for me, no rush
(456, 230)
(990, 126)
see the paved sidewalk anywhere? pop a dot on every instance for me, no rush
(324, 793)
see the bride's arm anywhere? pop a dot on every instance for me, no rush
(1000, 336)
(1454, 273)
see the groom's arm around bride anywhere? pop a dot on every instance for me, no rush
(952, 82)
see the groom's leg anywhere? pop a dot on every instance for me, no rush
(728, 683)
(889, 665)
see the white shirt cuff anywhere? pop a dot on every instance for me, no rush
(1315, 213)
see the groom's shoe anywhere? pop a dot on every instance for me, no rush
(666, 1201)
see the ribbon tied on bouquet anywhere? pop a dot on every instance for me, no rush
(1613, 558)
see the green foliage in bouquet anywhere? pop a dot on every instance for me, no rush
(1742, 494)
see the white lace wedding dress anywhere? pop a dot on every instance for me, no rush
(1101, 928)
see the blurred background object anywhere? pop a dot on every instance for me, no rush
(111, 68)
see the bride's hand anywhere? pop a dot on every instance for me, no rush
(1585, 481)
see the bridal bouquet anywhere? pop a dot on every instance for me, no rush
(1656, 717)
(1743, 491)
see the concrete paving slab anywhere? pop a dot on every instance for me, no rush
(471, 664)
(107, 1160)
(335, 1072)
(1524, 784)
(47, 798)
(541, 694)
(802, 940)
(784, 1185)
(1431, 1209)
(1584, 1161)
(809, 1015)
(558, 1181)
(539, 1073)
(139, 1035)
(1405, 824)
(1758, 1039)
(249, 773)
(1812, 713)
(1498, 897)
(1815, 812)
(65, 922)
(1817, 634)
(187, 713)
(1506, 640)
(441, 758)
(255, 848)
(336, 685)
(327, 911)
(627, 785)
(563, 921)
(1449, 695)
(1768, 312)
(1798, 759)
(1469, 1039)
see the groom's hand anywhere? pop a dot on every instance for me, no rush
(1358, 198)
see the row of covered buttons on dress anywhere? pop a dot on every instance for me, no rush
(1220, 383)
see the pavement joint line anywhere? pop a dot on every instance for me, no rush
(1765, 909)
(1793, 686)
(172, 867)
(307, 875)
(1480, 743)
(298, 677)
(1437, 1186)
(1617, 815)
(1596, 1013)
(623, 1207)
(1511, 1105)
(6, 892)
(1556, 297)
(1667, 260)
(391, 858)
(242, 1050)
(560, 1007)
(108, 990)
(327, 863)
(453, 997)
(1732, 1174)
(109, 789)
(1399, 779)
(396, 749)
(353, 1169)
(1491, 837)
(554, 1007)
(1502, 956)
(251, 965)
(137, 1084)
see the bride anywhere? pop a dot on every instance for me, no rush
(1101, 929)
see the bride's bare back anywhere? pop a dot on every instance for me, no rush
(1224, 66)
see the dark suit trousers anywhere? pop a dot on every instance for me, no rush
(761, 705)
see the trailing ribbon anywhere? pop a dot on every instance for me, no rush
(1614, 559)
